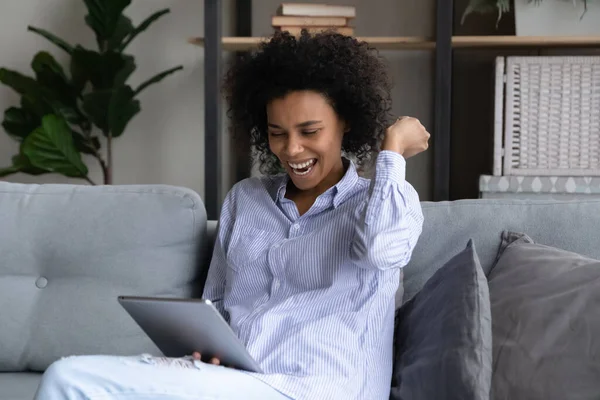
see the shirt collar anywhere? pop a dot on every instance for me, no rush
(337, 193)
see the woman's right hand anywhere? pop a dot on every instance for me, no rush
(197, 356)
(407, 136)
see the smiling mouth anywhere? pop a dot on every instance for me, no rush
(304, 168)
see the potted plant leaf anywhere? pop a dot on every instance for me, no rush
(544, 17)
(63, 115)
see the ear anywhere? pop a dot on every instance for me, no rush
(346, 127)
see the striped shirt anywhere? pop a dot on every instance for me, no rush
(312, 297)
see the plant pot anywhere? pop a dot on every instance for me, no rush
(557, 18)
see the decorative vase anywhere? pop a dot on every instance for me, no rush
(557, 18)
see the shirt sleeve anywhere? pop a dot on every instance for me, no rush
(390, 221)
(214, 288)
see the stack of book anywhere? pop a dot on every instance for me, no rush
(293, 17)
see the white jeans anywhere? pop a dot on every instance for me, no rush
(145, 377)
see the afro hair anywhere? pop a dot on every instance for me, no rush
(346, 71)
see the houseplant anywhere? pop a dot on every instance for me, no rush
(544, 18)
(486, 7)
(62, 115)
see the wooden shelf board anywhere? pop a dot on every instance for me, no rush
(422, 43)
(383, 43)
(525, 41)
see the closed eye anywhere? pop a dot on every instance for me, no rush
(311, 132)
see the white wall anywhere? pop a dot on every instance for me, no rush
(165, 142)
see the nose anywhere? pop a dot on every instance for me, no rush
(293, 146)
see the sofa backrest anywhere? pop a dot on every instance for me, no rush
(68, 251)
(573, 226)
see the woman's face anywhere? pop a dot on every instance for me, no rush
(305, 133)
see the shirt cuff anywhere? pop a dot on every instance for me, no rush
(391, 167)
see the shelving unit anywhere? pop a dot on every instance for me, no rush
(443, 44)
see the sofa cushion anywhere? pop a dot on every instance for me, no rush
(449, 225)
(19, 385)
(546, 319)
(68, 251)
(443, 339)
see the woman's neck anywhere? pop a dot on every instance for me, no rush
(304, 199)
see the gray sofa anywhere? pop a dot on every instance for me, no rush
(67, 252)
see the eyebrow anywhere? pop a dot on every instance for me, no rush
(300, 125)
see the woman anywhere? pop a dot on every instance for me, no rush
(307, 258)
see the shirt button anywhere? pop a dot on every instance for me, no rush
(295, 226)
(275, 284)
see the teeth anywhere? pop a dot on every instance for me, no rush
(303, 165)
(302, 173)
(307, 164)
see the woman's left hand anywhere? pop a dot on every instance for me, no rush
(407, 136)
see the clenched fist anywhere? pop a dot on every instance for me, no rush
(406, 136)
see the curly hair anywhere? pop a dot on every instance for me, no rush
(346, 71)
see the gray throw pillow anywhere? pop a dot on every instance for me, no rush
(546, 322)
(443, 339)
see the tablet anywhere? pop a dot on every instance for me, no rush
(179, 327)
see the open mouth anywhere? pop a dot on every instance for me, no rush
(304, 168)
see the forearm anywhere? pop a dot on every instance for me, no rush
(390, 221)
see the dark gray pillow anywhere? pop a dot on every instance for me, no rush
(546, 322)
(443, 339)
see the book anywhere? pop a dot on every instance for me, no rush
(282, 20)
(316, 10)
(296, 30)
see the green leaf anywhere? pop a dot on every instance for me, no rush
(143, 26)
(123, 30)
(52, 38)
(115, 67)
(79, 72)
(103, 16)
(38, 97)
(33, 95)
(95, 105)
(485, 7)
(21, 164)
(157, 78)
(19, 122)
(19, 83)
(85, 67)
(36, 106)
(122, 108)
(51, 76)
(103, 70)
(48, 71)
(111, 110)
(51, 148)
(126, 71)
(86, 145)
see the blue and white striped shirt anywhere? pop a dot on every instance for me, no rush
(312, 296)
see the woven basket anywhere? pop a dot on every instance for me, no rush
(551, 118)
